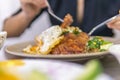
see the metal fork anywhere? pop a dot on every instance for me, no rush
(101, 24)
(50, 11)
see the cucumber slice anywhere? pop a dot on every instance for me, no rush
(92, 70)
(105, 46)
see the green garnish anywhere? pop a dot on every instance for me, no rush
(95, 43)
(99, 44)
(76, 32)
(64, 32)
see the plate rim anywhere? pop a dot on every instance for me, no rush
(81, 55)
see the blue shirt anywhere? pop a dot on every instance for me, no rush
(96, 11)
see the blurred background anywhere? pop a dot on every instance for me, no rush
(8, 7)
(30, 33)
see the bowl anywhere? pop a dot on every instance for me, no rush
(3, 36)
(115, 51)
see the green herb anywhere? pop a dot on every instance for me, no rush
(76, 32)
(98, 43)
(64, 32)
(95, 43)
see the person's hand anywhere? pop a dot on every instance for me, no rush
(114, 24)
(31, 8)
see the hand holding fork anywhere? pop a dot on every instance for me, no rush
(115, 23)
(31, 8)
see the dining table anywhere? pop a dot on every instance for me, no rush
(110, 64)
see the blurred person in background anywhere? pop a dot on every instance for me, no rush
(86, 14)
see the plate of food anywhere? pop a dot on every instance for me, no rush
(62, 42)
(51, 70)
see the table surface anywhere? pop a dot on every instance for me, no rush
(109, 62)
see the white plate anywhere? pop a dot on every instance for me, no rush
(16, 49)
(56, 70)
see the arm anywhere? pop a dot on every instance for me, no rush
(16, 24)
